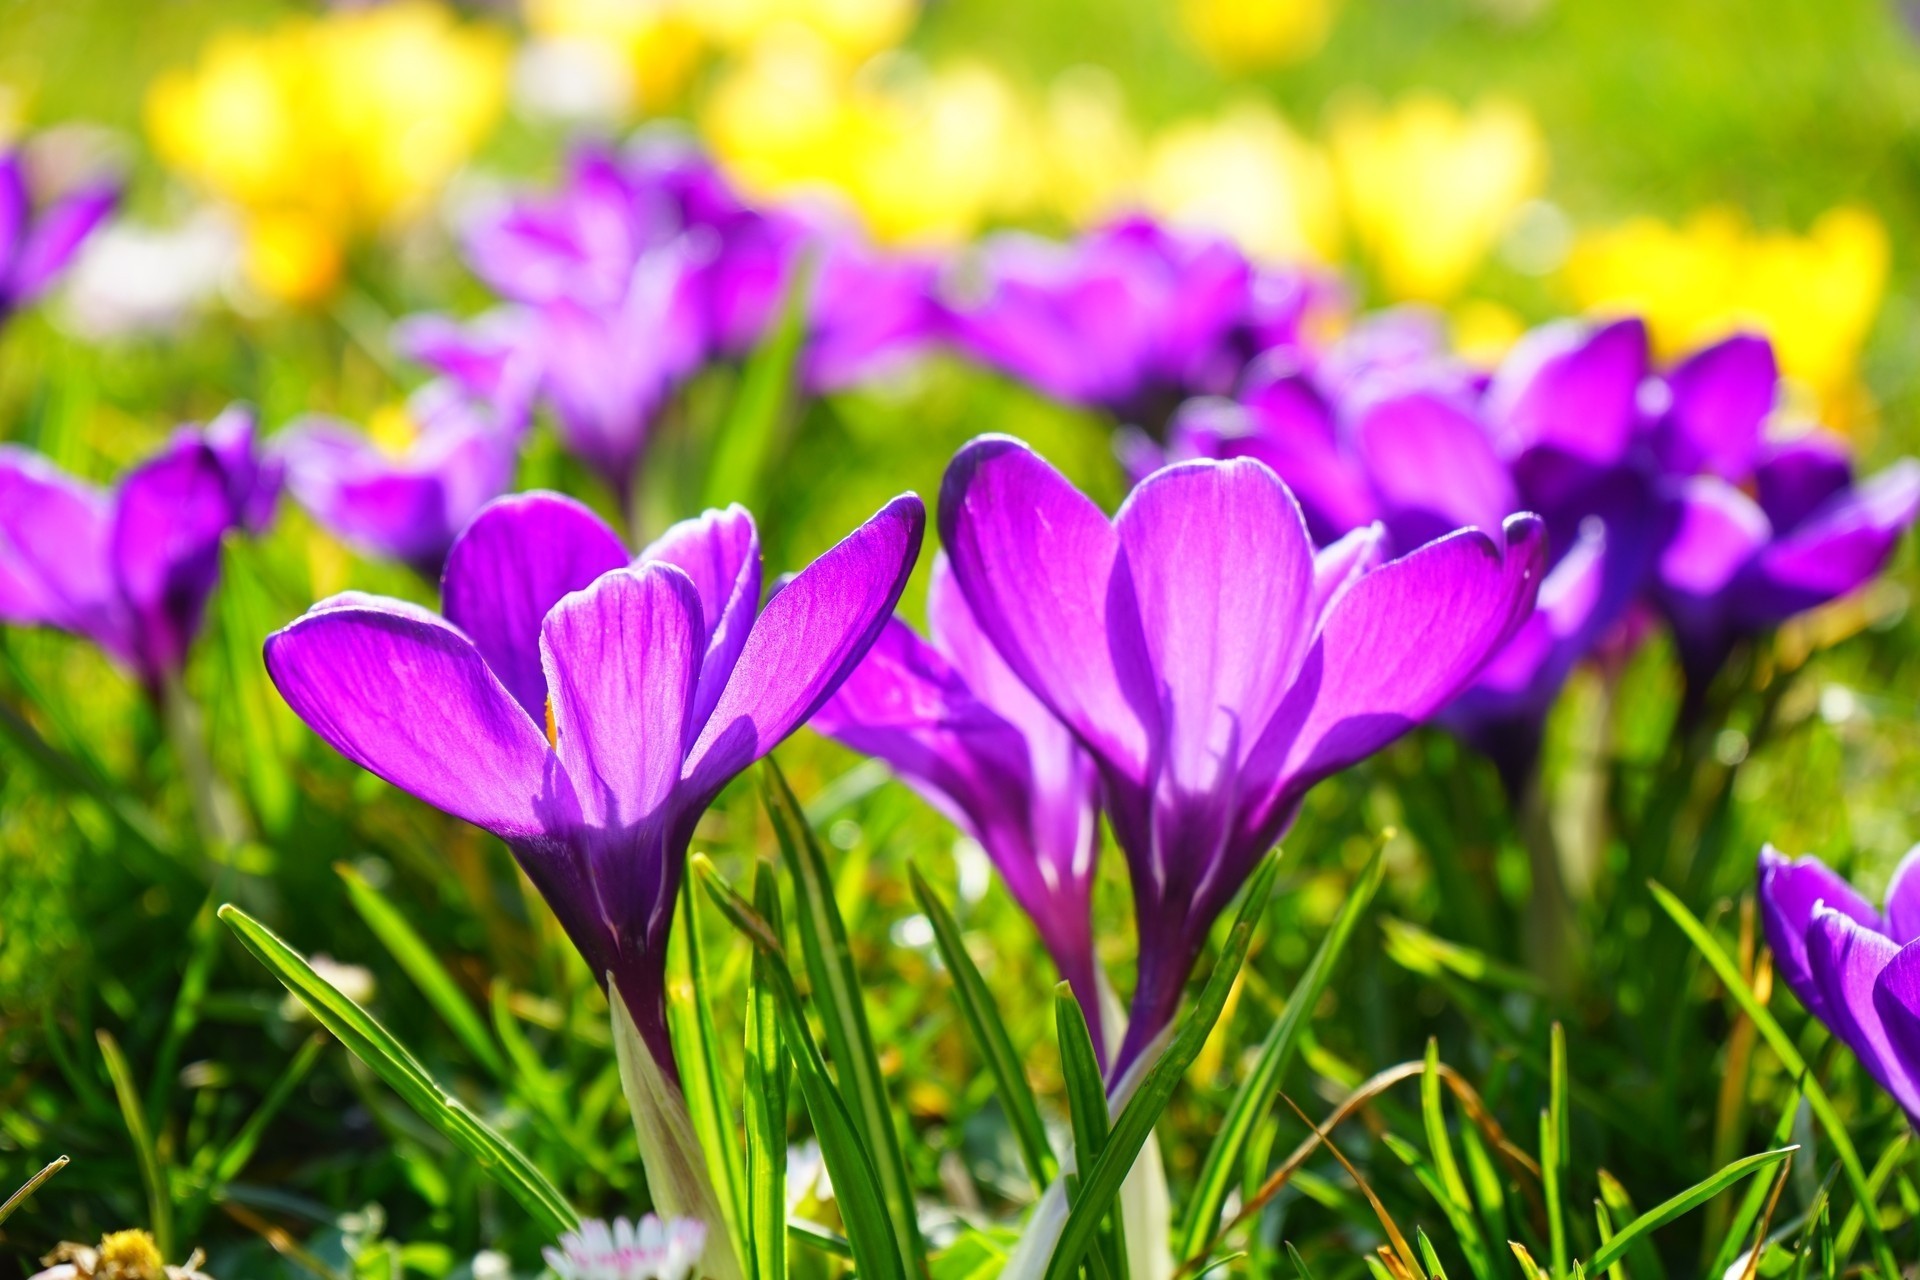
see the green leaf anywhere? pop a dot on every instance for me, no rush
(374, 1045)
(1734, 1241)
(1645, 1259)
(1457, 1202)
(1428, 1258)
(1261, 1089)
(1783, 1048)
(842, 1010)
(989, 1035)
(1687, 1201)
(765, 1098)
(31, 1185)
(416, 958)
(1087, 1110)
(153, 1170)
(1099, 1185)
(1555, 1151)
(697, 1048)
(766, 384)
(856, 1184)
(1299, 1263)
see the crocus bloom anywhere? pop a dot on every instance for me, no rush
(130, 568)
(586, 708)
(1214, 666)
(958, 725)
(1759, 529)
(1855, 969)
(1132, 318)
(36, 244)
(407, 487)
(647, 1250)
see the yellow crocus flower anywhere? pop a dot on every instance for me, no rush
(1428, 188)
(1254, 35)
(657, 42)
(1247, 175)
(324, 130)
(1816, 295)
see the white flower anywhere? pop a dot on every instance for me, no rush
(651, 1250)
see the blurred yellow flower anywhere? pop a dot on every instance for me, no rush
(1428, 188)
(1484, 330)
(657, 43)
(1091, 155)
(925, 156)
(1815, 295)
(854, 29)
(1247, 175)
(1253, 35)
(322, 130)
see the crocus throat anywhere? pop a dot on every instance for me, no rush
(553, 732)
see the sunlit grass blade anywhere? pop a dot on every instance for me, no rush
(764, 1094)
(746, 438)
(30, 1186)
(1687, 1201)
(234, 1156)
(1783, 1048)
(1734, 1237)
(1428, 1258)
(1555, 1152)
(1877, 1178)
(842, 1007)
(1397, 1259)
(1257, 1093)
(417, 961)
(697, 1048)
(989, 1035)
(856, 1184)
(374, 1045)
(153, 1170)
(1299, 1263)
(246, 615)
(1488, 1193)
(1088, 1114)
(1100, 1184)
(1603, 1225)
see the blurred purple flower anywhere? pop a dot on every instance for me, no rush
(1211, 663)
(1855, 969)
(1759, 529)
(131, 568)
(1131, 318)
(586, 709)
(956, 723)
(39, 237)
(407, 503)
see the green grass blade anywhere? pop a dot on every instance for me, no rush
(1457, 1201)
(746, 438)
(856, 1184)
(1734, 1241)
(1299, 1263)
(1687, 1201)
(1556, 1151)
(1428, 1258)
(842, 1008)
(765, 1096)
(374, 1045)
(989, 1035)
(31, 1185)
(1087, 1111)
(234, 1157)
(1603, 1224)
(697, 1048)
(1258, 1093)
(1099, 1185)
(1646, 1264)
(419, 963)
(153, 1170)
(1783, 1048)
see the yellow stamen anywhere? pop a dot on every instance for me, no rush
(130, 1255)
(553, 733)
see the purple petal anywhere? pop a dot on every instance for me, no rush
(55, 569)
(1433, 468)
(1896, 999)
(169, 515)
(1343, 563)
(1721, 396)
(253, 481)
(805, 642)
(1789, 890)
(1846, 960)
(56, 235)
(1221, 571)
(1796, 477)
(621, 660)
(16, 206)
(507, 571)
(1717, 531)
(1837, 549)
(408, 697)
(1035, 559)
(720, 551)
(1401, 643)
(1571, 388)
(1903, 900)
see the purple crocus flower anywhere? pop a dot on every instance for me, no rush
(956, 723)
(130, 568)
(1855, 969)
(1759, 529)
(1131, 318)
(408, 504)
(1214, 666)
(585, 707)
(36, 244)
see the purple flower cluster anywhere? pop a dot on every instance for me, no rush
(132, 568)
(1662, 490)
(40, 236)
